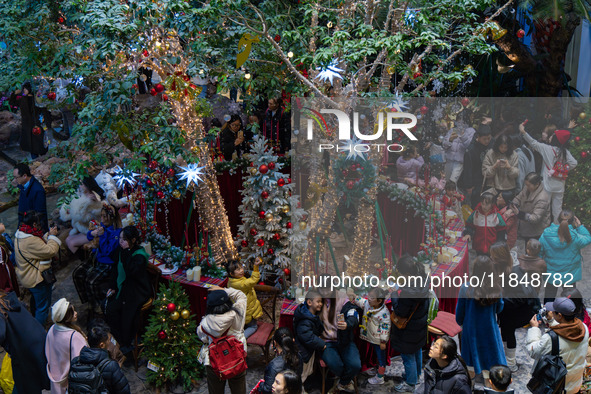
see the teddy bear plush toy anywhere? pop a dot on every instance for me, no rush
(83, 209)
(106, 182)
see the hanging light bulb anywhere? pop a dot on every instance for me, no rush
(290, 54)
(247, 76)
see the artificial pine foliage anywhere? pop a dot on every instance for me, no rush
(578, 183)
(170, 342)
(269, 212)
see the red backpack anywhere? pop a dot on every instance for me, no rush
(226, 355)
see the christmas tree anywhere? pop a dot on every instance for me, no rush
(578, 183)
(170, 343)
(268, 212)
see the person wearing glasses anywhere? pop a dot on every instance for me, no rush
(231, 137)
(32, 195)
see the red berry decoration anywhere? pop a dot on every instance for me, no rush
(465, 101)
(263, 169)
(577, 139)
(149, 183)
(159, 87)
(286, 271)
(146, 53)
(244, 243)
(162, 335)
(51, 95)
(37, 130)
(262, 215)
(153, 92)
(265, 194)
(417, 75)
(584, 155)
(153, 165)
(276, 236)
(160, 195)
(424, 109)
(61, 19)
(271, 166)
(134, 86)
(520, 33)
(289, 225)
(277, 38)
(253, 231)
(261, 242)
(270, 251)
(170, 173)
(171, 307)
(350, 185)
(164, 97)
(281, 182)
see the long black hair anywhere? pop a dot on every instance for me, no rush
(30, 218)
(91, 185)
(130, 233)
(488, 293)
(284, 339)
(293, 382)
(449, 348)
(562, 148)
(504, 139)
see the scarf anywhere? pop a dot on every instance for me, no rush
(30, 230)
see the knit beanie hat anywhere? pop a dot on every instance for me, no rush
(59, 309)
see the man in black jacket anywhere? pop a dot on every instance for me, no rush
(114, 379)
(32, 194)
(472, 178)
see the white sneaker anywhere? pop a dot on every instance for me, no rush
(376, 380)
(371, 372)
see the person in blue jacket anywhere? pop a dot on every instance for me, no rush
(91, 277)
(308, 328)
(32, 195)
(561, 248)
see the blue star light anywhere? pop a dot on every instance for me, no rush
(123, 176)
(398, 103)
(349, 146)
(192, 173)
(329, 72)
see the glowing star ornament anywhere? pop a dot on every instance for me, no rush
(124, 176)
(192, 173)
(328, 73)
(398, 104)
(349, 145)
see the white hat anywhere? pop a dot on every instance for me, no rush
(59, 309)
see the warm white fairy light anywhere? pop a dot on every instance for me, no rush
(192, 174)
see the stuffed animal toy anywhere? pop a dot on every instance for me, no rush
(106, 182)
(81, 211)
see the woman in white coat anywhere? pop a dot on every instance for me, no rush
(226, 309)
(64, 341)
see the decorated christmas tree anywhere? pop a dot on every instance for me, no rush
(269, 211)
(170, 343)
(578, 183)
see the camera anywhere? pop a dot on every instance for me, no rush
(542, 315)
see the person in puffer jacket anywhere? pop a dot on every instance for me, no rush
(237, 280)
(224, 315)
(446, 372)
(308, 328)
(113, 377)
(485, 225)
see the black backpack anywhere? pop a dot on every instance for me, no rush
(86, 378)
(549, 372)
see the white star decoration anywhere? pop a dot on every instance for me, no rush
(329, 72)
(349, 146)
(123, 176)
(398, 103)
(192, 174)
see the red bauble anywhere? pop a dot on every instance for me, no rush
(61, 19)
(276, 236)
(170, 173)
(171, 307)
(149, 183)
(160, 195)
(262, 215)
(286, 271)
(520, 33)
(277, 38)
(417, 75)
(350, 185)
(159, 87)
(162, 335)
(37, 130)
(270, 251)
(424, 109)
(584, 155)
(153, 92)
(271, 166)
(261, 242)
(244, 243)
(281, 182)
(253, 231)
(263, 169)
(164, 97)
(465, 101)
(251, 164)
(146, 53)
(288, 225)
(288, 180)
(577, 139)
(51, 95)
(153, 165)
(265, 194)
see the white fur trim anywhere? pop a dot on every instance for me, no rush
(56, 239)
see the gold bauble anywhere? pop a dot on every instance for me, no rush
(303, 225)
(253, 171)
(269, 217)
(176, 194)
(185, 314)
(174, 315)
(285, 208)
(582, 115)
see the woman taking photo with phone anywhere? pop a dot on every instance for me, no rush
(532, 207)
(500, 166)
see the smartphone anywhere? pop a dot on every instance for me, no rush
(340, 318)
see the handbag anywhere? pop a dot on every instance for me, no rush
(401, 322)
(47, 275)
